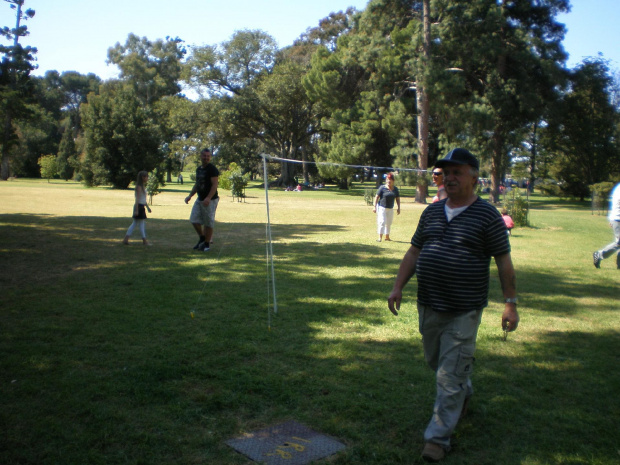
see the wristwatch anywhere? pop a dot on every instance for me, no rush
(511, 300)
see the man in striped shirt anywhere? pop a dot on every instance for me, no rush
(450, 253)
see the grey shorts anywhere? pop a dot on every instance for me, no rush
(204, 215)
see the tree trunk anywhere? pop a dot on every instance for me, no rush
(533, 156)
(5, 170)
(497, 157)
(423, 108)
(287, 178)
(304, 166)
(6, 147)
(496, 164)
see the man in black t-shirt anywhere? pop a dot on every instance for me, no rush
(450, 253)
(203, 211)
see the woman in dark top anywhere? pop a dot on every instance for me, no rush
(384, 206)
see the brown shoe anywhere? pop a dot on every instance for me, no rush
(433, 452)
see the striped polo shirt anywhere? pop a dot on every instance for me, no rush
(453, 266)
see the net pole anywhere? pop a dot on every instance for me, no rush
(269, 244)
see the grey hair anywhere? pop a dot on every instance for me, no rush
(474, 172)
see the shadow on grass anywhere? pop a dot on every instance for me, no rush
(546, 203)
(553, 292)
(559, 406)
(103, 363)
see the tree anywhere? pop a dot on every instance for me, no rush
(122, 136)
(187, 127)
(508, 59)
(152, 68)
(367, 90)
(66, 158)
(288, 116)
(260, 101)
(153, 186)
(49, 167)
(74, 88)
(333, 88)
(51, 109)
(124, 126)
(585, 133)
(226, 69)
(328, 31)
(14, 81)
(423, 103)
(36, 134)
(276, 112)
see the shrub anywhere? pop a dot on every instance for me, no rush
(153, 187)
(49, 167)
(550, 188)
(600, 195)
(234, 181)
(517, 207)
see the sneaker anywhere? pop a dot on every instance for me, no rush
(596, 257)
(433, 452)
(199, 245)
(204, 247)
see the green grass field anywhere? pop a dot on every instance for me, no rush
(101, 362)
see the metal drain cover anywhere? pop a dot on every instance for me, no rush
(288, 443)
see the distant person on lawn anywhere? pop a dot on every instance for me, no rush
(139, 209)
(438, 181)
(203, 211)
(450, 253)
(614, 221)
(508, 220)
(383, 206)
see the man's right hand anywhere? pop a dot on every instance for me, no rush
(394, 301)
(188, 198)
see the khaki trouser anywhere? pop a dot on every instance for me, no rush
(449, 341)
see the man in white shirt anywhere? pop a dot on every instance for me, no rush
(614, 221)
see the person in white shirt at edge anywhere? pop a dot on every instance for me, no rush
(614, 221)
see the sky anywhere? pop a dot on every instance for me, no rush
(74, 35)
